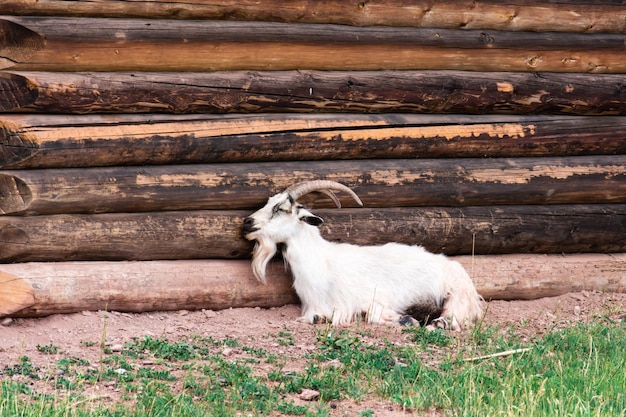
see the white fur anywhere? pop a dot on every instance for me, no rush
(340, 281)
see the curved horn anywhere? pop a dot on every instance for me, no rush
(324, 186)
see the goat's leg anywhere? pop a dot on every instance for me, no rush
(456, 313)
(378, 313)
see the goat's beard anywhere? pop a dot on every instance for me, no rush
(264, 251)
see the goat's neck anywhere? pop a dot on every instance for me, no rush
(306, 252)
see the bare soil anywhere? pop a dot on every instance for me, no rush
(260, 328)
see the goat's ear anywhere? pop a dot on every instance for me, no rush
(313, 220)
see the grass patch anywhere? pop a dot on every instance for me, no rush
(577, 371)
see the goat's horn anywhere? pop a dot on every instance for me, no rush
(324, 186)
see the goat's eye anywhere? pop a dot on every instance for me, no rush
(278, 208)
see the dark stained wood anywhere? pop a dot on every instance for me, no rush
(380, 183)
(68, 287)
(177, 45)
(33, 141)
(216, 234)
(573, 16)
(463, 92)
(18, 43)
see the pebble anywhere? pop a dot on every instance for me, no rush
(209, 314)
(7, 322)
(577, 310)
(309, 395)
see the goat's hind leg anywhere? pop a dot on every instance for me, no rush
(378, 313)
(459, 312)
(422, 314)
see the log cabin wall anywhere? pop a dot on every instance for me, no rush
(135, 136)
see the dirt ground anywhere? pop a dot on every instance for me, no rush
(259, 327)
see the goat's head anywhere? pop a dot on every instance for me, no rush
(282, 217)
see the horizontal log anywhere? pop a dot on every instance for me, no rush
(35, 141)
(216, 234)
(380, 183)
(176, 45)
(138, 287)
(587, 16)
(213, 284)
(462, 92)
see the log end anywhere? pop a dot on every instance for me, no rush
(15, 147)
(17, 43)
(15, 194)
(15, 294)
(16, 92)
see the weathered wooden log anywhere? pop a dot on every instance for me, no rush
(34, 141)
(411, 182)
(216, 234)
(177, 45)
(573, 16)
(53, 288)
(459, 92)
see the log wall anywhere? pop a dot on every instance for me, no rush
(146, 131)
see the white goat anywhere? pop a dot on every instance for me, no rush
(340, 281)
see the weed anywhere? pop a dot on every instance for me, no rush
(24, 368)
(425, 337)
(577, 371)
(48, 349)
(161, 348)
(285, 339)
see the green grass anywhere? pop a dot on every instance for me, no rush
(577, 371)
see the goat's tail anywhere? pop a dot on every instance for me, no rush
(264, 251)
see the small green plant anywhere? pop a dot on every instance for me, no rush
(285, 339)
(24, 368)
(48, 349)
(425, 337)
(162, 348)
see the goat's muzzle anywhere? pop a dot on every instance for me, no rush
(248, 226)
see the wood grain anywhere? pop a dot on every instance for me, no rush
(180, 45)
(452, 92)
(67, 287)
(42, 141)
(217, 234)
(587, 16)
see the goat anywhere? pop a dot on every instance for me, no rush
(341, 282)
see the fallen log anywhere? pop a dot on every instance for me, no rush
(216, 234)
(34, 141)
(411, 182)
(459, 92)
(177, 45)
(588, 17)
(53, 288)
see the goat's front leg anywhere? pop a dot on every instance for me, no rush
(310, 315)
(311, 319)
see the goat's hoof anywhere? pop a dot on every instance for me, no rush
(315, 319)
(319, 319)
(439, 323)
(406, 321)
